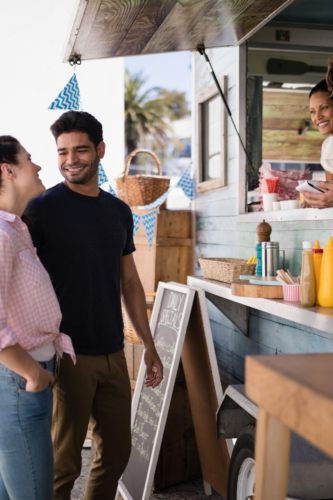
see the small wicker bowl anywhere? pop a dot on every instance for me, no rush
(225, 269)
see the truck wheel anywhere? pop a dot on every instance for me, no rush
(242, 466)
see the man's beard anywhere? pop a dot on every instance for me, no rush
(90, 173)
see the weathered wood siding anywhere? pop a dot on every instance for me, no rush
(268, 335)
(219, 235)
(216, 211)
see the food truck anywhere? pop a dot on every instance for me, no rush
(266, 55)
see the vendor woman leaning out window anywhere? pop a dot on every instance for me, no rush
(321, 109)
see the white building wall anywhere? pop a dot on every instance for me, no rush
(32, 37)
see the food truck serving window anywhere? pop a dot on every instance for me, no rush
(284, 138)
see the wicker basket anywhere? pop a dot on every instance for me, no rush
(226, 270)
(129, 332)
(141, 189)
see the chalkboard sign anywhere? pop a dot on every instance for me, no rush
(150, 406)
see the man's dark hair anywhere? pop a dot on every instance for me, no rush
(321, 87)
(78, 121)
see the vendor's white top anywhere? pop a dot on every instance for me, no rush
(327, 154)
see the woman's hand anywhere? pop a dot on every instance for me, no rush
(305, 204)
(321, 200)
(43, 380)
(20, 361)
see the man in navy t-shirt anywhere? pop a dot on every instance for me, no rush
(84, 238)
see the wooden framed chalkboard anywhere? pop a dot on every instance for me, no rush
(150, 407)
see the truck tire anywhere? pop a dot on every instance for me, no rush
(242, 466)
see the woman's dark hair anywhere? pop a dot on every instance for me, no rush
(321, 87)
(329, 76)
(9, 149)
(78, 121)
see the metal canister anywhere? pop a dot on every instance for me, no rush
(271, 258)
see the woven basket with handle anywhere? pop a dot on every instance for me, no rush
(141, 189)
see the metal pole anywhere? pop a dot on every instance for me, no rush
(201, 50)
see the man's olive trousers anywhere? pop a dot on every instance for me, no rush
(96, 389)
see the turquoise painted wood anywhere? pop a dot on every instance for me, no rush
(268, 335)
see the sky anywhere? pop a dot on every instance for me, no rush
(32, 38)
(171, 71)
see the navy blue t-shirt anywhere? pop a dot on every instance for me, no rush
(80, 240)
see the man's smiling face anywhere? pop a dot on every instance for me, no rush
(78, 158)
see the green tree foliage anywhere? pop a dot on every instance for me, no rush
(149, 113)
(175, 104)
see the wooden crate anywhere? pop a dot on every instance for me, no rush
(170, 258)
(179, 458)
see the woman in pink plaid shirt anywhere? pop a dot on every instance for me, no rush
(29, 337)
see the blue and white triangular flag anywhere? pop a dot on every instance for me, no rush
(186, 182)
(102, 179)
(136, 220)
(149, 221)
(112, 191)
(69, 97)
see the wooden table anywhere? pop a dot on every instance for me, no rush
(293, 392)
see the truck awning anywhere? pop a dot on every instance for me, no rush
(117, 28)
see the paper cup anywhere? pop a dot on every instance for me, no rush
(292, 204)
(291, 293)
(284, 205)
(276, 205)
(268, 199)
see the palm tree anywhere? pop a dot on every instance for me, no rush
(149, 113)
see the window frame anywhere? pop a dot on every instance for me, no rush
(201, 98)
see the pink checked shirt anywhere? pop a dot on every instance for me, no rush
(29, 309)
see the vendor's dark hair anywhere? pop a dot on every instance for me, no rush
(9, 149)
(78, 121)
(321, 87)
(329, 76)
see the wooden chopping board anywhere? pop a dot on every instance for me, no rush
(242, 288)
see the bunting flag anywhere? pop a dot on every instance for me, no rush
(149, 221)
(112, 191)
(69, 97)
(136, 221)
(102, 179)
(186, 182)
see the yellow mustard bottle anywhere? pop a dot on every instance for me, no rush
(325, 294)
(308, 279)
(317, 261)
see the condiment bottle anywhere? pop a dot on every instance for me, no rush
(308, 279)
(263, 231)
(325, 294)
(317, 260)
